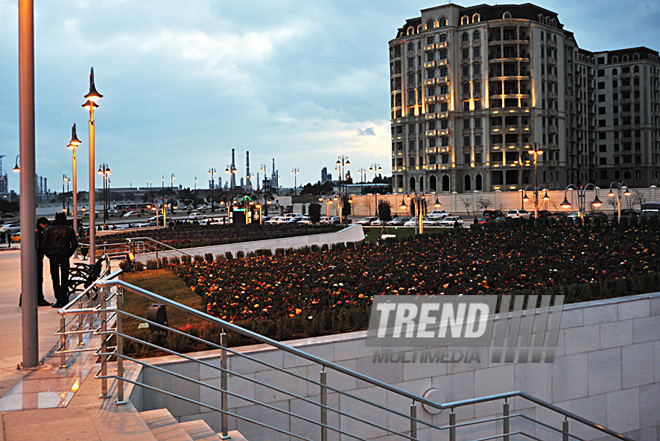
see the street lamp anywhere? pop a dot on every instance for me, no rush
(295, 173)
(522, 164)
(212, 172)
(92, 97)
(417, 197)
(327, 198)
(536, 152)
(16, 168)
(65, 194)
(342, 162)
(582, 191)
(104, 170)
(611, 194)
(375, 168)
(73, 144)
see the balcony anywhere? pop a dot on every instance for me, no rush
(428, 64)
(441, 45)
(443, 79)
(443, 115)
(431, 133)
(429, 47)
(430, 115)
(443, 132)
(431, 99)
(496, 129)
(496, 146)
(442, 62)
(444, 97)
(431, 150)
(430, 81)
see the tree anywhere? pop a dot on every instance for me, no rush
(467, 201)
(384, 210)
(346, 207)
(483, 203)
(315, 212)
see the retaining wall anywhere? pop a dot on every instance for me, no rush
(606, 369)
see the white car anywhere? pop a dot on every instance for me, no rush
(276, 220)
(305, 220)
(438, 213)
(366, 220)
(197, 216)
(377, 223)
(410, 223)
(12, 228)
(518, 213)
(397, 221)
(449, 221)
(431, 221)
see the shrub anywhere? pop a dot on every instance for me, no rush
(229, 255)
(208, 257)
(185, 258)
(164, 261)
(219, 257)
(240, 254)
(152, 264)
(125, 265)
(279, 252)
(198, 258)
(139, 266)
(174, 260)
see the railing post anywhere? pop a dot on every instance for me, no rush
(413, 420)
(452, 425)
(505, 421)
(324, 404)
(104, 342)
(63, 341)
(80, 323)
(120, 343)
(564, 430)
(223, 386)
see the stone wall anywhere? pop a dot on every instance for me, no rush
(607, 369)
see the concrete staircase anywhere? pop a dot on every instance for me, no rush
(166, 428)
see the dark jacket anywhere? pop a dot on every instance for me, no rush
(59, 239)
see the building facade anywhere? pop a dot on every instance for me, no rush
(473, 90)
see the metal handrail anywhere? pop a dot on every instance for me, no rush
(106, 353)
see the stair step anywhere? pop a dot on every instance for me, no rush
(164, 426)
(236, 436)
(199, 430)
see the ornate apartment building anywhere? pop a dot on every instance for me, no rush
(473, 90)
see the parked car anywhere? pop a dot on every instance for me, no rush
(196, 216)
(334, 220)
(410, 223)
(542, 213)
(431, 221)
(518, 213)
(597, 215)
(11, 228)
(629, 212)
(377, 223)
(305, 220)
(438, 213)
(450, 221)
(398, 221)
(482, 220)
(367, 220)
(493, 214)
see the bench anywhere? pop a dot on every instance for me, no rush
(82, 275)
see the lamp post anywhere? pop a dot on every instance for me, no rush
(340, 165)
(295, 173)
(65, 181)
(522, 164)
(231, 170)
(327, 198)
(212, 172)
(375, 168)
(582, 191)
(73, 145)
(104, 170)
(419, 199)
(92, 97)
(611, 194)
(536, 151)
(16, 168)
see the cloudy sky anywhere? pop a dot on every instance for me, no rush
(184, 81)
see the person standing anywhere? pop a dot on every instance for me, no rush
(42, 224)
(59, 243)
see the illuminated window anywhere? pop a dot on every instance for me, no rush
(429, 24)
(506, 15)
(410, 31)
(465, 20)
(476, 18)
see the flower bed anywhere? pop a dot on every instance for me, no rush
(311, 292)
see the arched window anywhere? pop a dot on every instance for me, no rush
(478, 183)
(476, 35)
(433, 183)
(445, 183)
(412, 183)
(419, 28)
(468, 182)
(625, 57)
(635, 56)
(615, 59)
(614, 71)
(429, 24)
(465, 20)
(465, 36)
(476, 18)
(411, 46)
(443, 22)
(636, 69)
(421, 183)
(506, 15)
(410, 31)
